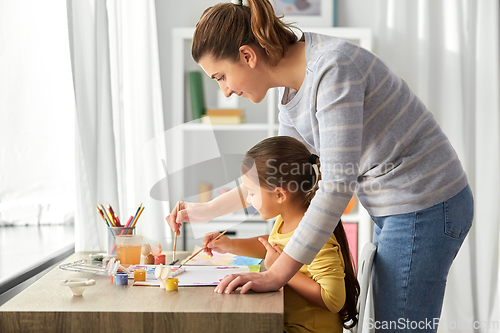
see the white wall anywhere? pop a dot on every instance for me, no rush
(36, 113)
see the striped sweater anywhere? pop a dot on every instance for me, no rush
(374, 137)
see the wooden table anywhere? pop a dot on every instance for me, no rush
(46, 306)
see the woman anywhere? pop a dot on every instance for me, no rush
(374, 136)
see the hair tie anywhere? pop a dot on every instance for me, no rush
(313, 158)
(237, 2)
(312, 161)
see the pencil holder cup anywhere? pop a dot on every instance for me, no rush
(117, 231)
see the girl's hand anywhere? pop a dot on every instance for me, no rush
(273, 253)
(221, 245)
(192, 212)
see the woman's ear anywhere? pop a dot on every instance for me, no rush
(248, 55)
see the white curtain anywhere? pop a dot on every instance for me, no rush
(448, 51)
(36, 114)
(119, 111)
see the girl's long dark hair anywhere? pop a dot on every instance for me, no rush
(348, 313)
(289, 155)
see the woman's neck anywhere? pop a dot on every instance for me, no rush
(291, 70)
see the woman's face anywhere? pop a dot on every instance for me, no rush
(243, 77)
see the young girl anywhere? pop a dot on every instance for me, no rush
(281, 177)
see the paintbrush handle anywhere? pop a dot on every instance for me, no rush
(203, 248)
(175, 245)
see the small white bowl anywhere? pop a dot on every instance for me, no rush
(77, 286)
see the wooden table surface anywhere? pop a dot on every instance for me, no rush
(46, 306)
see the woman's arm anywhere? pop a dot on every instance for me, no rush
(203, 212)
(230, 202)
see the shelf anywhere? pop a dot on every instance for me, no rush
(242, 127)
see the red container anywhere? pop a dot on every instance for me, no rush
(160, 259)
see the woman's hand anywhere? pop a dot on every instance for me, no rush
(283, 269)
(192, 212)
(273, 252)
(221, 245)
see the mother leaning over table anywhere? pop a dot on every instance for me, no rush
(374, 137)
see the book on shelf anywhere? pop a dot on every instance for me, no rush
(197, 94)
(225, 112)
(223, 120)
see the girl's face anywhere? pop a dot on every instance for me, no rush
(244, 78)
(264, 200)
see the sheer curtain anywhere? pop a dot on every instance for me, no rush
(119, 111)
(36, 115)
(448, 51)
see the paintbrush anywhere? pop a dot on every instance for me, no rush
(175, 238)
(203, 248)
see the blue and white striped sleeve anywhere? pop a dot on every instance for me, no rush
(340, 89)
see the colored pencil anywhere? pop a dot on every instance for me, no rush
(137, 212)
(137, 218)
(114, 216)
(106, 215)
(102, 215)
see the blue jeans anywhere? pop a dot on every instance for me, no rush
(414, 255)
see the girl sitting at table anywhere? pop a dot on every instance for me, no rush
(281, 177)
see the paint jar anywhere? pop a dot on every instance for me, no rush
(121, 279)
(147, 260)
(128, 249)
(140, 275)
(160, 259)
(117, 231)
(172, 284)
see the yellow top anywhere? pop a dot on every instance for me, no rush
(327, 269)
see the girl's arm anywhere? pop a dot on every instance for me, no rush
(309, 289)
(326, 288)
(248, 247)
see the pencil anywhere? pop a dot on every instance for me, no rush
(114, 216)
(137, 218)
(203, 248)
(106, 215)
(102, 215)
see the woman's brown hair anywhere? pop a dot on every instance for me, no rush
(284, 162)
(225, 27)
